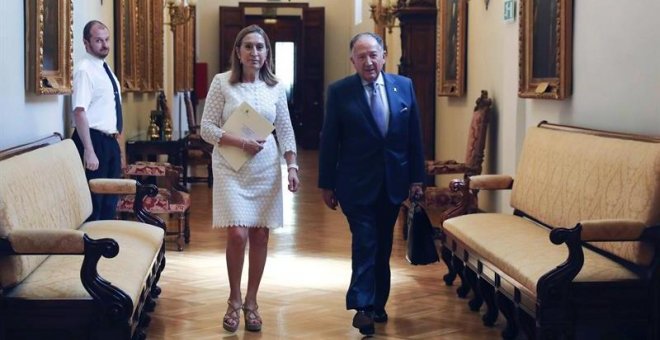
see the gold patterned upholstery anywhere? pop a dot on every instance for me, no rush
(564, 178)
(35, 198)
(522, 250)
(610, 185)
(59, 274)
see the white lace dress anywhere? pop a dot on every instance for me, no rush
(251, 196)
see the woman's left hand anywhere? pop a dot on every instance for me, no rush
(294, 182)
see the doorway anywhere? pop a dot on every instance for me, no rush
(296, 32)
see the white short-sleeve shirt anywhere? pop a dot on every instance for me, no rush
(93, 92)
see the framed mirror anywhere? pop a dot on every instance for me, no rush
(451, 50)
(49, 46)
(546, 49)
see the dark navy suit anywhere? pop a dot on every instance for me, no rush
(371, 176)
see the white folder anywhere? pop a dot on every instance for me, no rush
(246, 122)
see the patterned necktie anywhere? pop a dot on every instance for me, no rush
(120, 122)
(377, 108)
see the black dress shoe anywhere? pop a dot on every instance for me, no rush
(380, 316)
(364, 321)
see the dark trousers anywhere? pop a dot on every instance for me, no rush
(372, 227)
(107, 151)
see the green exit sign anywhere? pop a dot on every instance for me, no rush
(509, 10)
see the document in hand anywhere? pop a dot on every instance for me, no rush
(246, 122)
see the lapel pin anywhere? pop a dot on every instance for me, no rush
(395, 89)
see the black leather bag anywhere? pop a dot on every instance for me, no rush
(421, 247)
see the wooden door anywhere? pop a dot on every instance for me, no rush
(286, 29)
(306, 106)
(232, 21)
(312, 74)
(418, 62)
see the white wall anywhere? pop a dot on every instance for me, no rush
(616, 79)
(25, 116)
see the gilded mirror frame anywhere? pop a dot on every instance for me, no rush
(452, 47)
(184, 58)
(49, 46)
(150, 45)
(156, 53)
(546, 49)
(126, 47)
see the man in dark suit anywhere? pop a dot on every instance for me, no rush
(370, 160)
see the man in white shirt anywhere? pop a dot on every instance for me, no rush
(98, 116)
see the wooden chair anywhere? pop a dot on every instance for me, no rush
(198, 151)
(444, 203)
(172, 198)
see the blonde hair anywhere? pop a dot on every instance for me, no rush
(266, 72)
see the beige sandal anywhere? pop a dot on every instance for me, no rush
(232, 318)
(253, 320)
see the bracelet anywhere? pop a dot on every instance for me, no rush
(292, 166)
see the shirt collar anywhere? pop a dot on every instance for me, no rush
(94, 59)
(379, 81)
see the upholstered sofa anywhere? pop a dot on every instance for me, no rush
(578, 258)
(62, 277)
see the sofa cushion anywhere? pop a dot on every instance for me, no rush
(564, 178)
(42, 189)
(58, 277)
(522, 249)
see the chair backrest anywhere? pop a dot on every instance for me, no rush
(190, 114)
(474, 156)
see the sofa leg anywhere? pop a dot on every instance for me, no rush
(186, 231)
(463, 290)
(446, 256)
(526, 323)
(471, 278)
(488, 293)
(180, 233)
(508, 310)
(150, 304)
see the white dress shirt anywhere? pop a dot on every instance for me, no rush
(93, 92)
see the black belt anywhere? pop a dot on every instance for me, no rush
(111, 135)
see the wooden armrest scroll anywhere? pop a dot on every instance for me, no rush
(612, 230)
(491, 182)
(113, 186)
(553, 285)
(115, 303)
(47, 241)
(142, 191)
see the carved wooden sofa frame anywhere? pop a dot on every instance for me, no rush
(54, 283)
(579, 257)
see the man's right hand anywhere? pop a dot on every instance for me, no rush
(329, 199)
(91, 161)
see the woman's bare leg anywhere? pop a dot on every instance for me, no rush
(258, 253)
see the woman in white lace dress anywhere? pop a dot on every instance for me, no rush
(249, 201)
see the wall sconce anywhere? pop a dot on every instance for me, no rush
(383, 14)
(180, 11)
